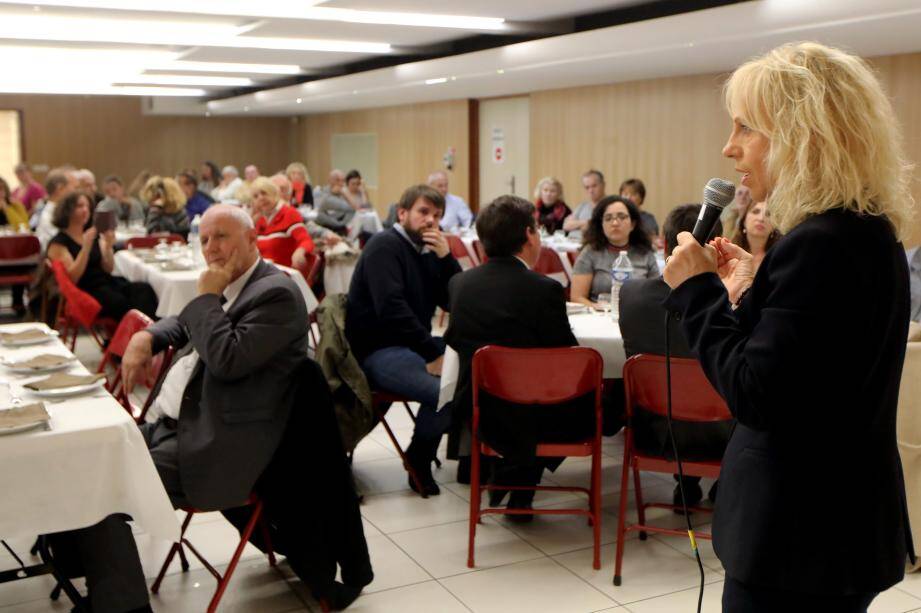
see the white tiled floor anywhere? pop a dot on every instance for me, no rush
(418, 548)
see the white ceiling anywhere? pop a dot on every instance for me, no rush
(711, 40)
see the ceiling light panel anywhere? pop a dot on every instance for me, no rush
(231, 67)
(188, 81)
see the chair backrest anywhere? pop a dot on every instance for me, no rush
(549, 264)
(312, 268)
(693, 398)
(480, 251)
(460, 252)
(147, 242)
(133, 321)
(78, 305)
(508, 374)
(19, 250)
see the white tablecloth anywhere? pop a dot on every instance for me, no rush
(175, 289)
(92, 463)
(596, 330)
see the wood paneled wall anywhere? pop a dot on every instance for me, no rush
(411, 141)
(111, 135)
(670, 133)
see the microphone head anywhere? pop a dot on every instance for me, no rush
(718, 193)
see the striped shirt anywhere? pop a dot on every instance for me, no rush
(281, 234)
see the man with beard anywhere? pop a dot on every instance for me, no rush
(401, 276)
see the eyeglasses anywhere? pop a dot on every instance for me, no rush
(612, 218)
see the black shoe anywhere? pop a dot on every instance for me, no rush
(692, 492)
(420, 456)
(496, 497)
(463, 470)
(521, 499)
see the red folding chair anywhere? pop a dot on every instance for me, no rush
(222, 580)
(133, 321)
(460, 252)
(507, 374)
(148, 242)
(312, 271)
(695, 401)
(18, 251)
(479, 251)
(550, 264)
(381, 401)
(77, 309)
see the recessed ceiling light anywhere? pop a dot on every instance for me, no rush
(436, 81)
(454, 78)
(299, 100)
(354, 91)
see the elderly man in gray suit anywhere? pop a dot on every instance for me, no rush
(223, 406)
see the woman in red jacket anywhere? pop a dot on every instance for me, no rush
(282, 235)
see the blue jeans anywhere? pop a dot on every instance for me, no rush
(400, 370)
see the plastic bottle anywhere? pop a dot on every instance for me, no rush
(621, 271)
(195, 241)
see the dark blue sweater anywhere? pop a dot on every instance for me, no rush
(393, 296)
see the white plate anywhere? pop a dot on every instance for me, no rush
(61, 392)
(32, 341)
(25, 370)
(22, 428)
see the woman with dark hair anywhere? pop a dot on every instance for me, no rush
(89, 260)
(754, 231)
(615, 226)
(210, 176)
(355, 190)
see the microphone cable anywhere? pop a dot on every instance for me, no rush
(671, 436)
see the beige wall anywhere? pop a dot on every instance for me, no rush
(669, 132)
(411, 141)
(110, 135)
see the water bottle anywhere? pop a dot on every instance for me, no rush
(621, 271)
(195, 241)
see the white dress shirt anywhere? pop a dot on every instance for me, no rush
(457, 213)
(169, 399)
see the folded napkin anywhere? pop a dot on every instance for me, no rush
(574, 308)
(45, 360)
(25, 335)
(23, 415)
(175, 266)
(59, 380)
(342, 251)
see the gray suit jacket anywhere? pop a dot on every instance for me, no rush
(247, 357)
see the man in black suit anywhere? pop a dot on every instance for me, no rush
(504, 303)
(642, 325)
(224, 404)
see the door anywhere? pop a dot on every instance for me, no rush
(504, 148)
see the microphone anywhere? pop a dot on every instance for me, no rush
(717, 194)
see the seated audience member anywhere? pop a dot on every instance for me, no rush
(391, 216)
(457, 213)
(550, 209)
(301, 190)
(86, 183)
(196, 201)
(229, 392)
(635, 190)
(209, 177)
(128, 210)
(742, 200)
(401, 276)
(642, 325)
(504, 303)
(89, 260)
(754, 231)
(355, 190)
(914, 271)
(334, 209)
(226, 190)
(577, 223)
(317, 232)
(250, 174)
(30, 192)
(167, 207)
(281, 234)
(59, 184)
(12, 211)
(615, 226)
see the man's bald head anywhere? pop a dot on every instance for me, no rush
(439, 180)
(283, 183)
(225, 230)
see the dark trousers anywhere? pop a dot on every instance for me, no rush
(741, 597)
(120, 296)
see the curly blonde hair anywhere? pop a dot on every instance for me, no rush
(298, 167)
(166, 190)
(834, 138)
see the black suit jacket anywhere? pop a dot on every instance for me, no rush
(247, 357)
(811, 491)
(503, 303)
(642, 326)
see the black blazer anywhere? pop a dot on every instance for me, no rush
(247, 358)
(811, 492)
(504, 303)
